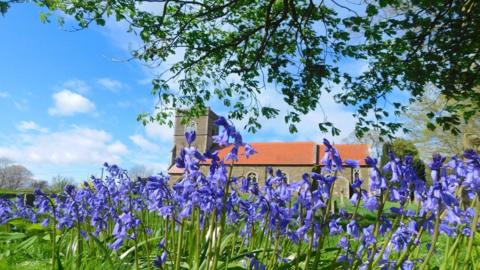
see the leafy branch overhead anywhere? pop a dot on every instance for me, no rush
(233, 51)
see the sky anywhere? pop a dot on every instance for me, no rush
(69, 101)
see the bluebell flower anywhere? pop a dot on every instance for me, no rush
(6, 211)
(233, 154)
(466, 231)
(394, 166)
(69, 189)
(160, 260)
(435, 166)
(385, 225)
(450, 231)
(352, 163)
(331, 157)
(115, 245)
(408, 265)
(368, 237)
(371, 162)
(343, 243)
(400, 238)
(410, 213)
(454, 216)
(334, 228)
(354, 199)
(377, 181)
(255, 264)
(357, 182)
(412, 227)
(190, 136)
(396, 210)
(353, 229)
(371, 203)
(249, 150)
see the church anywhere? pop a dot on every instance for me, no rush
(293, 159)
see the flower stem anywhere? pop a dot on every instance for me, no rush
(434, 241)
(274, 254)
(179, 246)
(222, 218)
(210, 236)
(323, 225)
(385, 244)
(384, 197)
(473, 230)
(309, 250)
(197, 241)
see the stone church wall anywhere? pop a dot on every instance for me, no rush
(294, 174)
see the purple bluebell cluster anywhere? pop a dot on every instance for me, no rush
(211, 217)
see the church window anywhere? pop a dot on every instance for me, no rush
(252, 177)
(356, 173)
(192, 126)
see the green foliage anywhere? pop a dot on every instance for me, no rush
(435, 140)
(233, 51)
(59, 182)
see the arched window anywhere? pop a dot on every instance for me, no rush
(285, 177)
(357, 173)
(252, 177)
(192, 126)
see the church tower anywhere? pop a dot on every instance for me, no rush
(204, 126)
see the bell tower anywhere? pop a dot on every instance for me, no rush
(204, 126)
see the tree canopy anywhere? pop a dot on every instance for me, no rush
(13, 176)
(235, 50)
(434, 141)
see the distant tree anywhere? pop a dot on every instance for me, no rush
(40, 184)
(401, 148)
(436, 140)
(4, 163)
(59, 182)
(139, 171)
(372, 138)
(16, 176)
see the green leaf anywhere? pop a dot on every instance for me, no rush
(106, 252)
(226, 242)
(371, 10)
(100, 21)
(140, 244)
(4, 236)
(27, 243)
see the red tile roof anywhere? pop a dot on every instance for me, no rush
(348, 151)
(175, 170)
(276, 153)
(291, 153)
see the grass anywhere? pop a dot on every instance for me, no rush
(33, 250)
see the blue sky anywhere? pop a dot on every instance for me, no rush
(69, 101)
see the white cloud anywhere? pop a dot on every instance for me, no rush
(76, 146)
(21, 105)
(69, 103)
(25, 126)
(110, 84)
(159, 132)
(76, 85)
(143, 143)
(4, 94)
